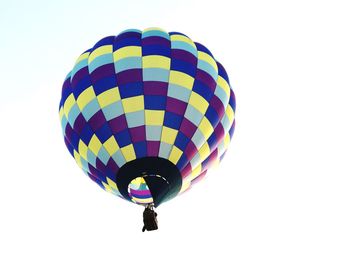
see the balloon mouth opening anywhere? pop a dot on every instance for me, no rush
(139, 189)
(149, 180)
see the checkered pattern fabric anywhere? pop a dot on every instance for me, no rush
(139, 192)
(147, 93)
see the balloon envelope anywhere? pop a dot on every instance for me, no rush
(146, 113)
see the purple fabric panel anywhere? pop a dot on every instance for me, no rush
(79, 75)
(79, 123)
(176, 106)
(118, 124)
(138, 134)
(129, 76)
(97, 120)
(155, 40)
(184, 56)
(216, 103)
(206, 79)
(188, 128)
(190, 150)
(155, 88)
(106, 70)
(152, 148)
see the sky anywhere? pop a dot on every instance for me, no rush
(281, 193)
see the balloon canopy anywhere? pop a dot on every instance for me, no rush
(146, 113)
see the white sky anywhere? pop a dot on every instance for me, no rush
(280, 195)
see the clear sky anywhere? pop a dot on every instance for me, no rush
(287, 169)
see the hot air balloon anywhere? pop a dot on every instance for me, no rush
(146, 113)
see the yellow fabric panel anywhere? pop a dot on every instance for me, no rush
(230, 114)
(183, 39)
(154, 117)
(198, 102)
(186, 183)
(141, 180)
(204, 151)
(82, 57)
(185, 186)
(82, 148)
(154, 28)
(107, 187)
(129, 51)
(137, 182)
(142, 201)
(112, 184)
(175, 155)
(128, 152)
(207, 58)
(95, 144)
(168, 135)
(111, 145)
(108, 97)
(195, 172)
(61, 113)
(77, 158)
(181, 79)
(226, 140)
(155, 61)
(224, 85)
(215, 163)
(206, 128)
(133, 104)
(100, 51)
(85, 97)
(68, 104)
